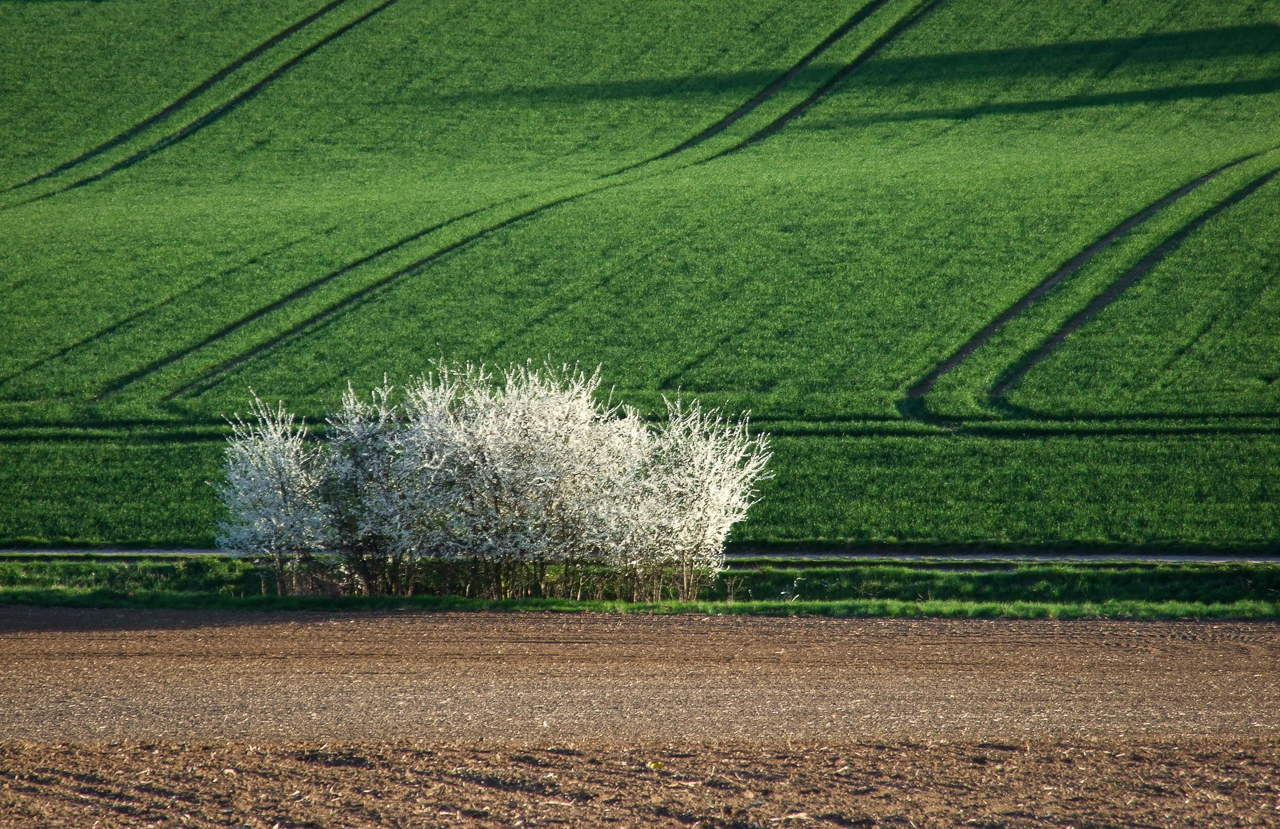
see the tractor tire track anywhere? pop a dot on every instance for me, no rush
(604, 282)
(201, 88)
(347, 303)
(217, 113)
(101, 334)
(213, 375)
(121, 382)
(358, 297)
(128, 379)
(877, 46)
(1033, 296)
(769, 91)
(1122, 284)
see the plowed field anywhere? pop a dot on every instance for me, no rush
(212, 718)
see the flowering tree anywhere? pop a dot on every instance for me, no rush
(271, 491)
(700, 482)
(370, 494)
(516, 474)
(521, 470)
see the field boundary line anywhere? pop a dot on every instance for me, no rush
(874, 557)
(216, 114)
(1113, 292)
(753, 555)
(1031, 425)
(174, 106)
(923, 386)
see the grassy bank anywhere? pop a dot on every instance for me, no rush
(931, 589)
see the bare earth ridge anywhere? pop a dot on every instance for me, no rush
(412, 719)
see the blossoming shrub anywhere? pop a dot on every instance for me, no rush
(271, 491)
(511, 485)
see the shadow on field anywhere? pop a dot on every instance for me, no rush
(1048, 60)
(1061, 58)
(1138, 96)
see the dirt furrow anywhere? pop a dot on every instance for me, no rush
(216, 718)
(868, 784)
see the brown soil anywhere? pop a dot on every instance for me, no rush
(199, 718)
(863, 784)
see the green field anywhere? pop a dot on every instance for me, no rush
(803, 210)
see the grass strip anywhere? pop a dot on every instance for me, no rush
(852, 608)
(1017, 591)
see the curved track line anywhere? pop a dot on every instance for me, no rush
(1122, 284)
(1035, 294)
(118, 325)
(770, 90)
(201, 88)
(565, 305)
(226, 331)
(354, 299)
(128, 379)
(217, 113)
(901, 27)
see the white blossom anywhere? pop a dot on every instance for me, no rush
(271, 489)
(515, 472)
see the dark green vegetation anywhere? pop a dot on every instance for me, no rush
(121, 577)
(292, 195)
(1239, 591)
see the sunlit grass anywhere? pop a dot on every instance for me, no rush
(812, 277)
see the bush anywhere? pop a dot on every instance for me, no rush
(272, 492)
(523, 484)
